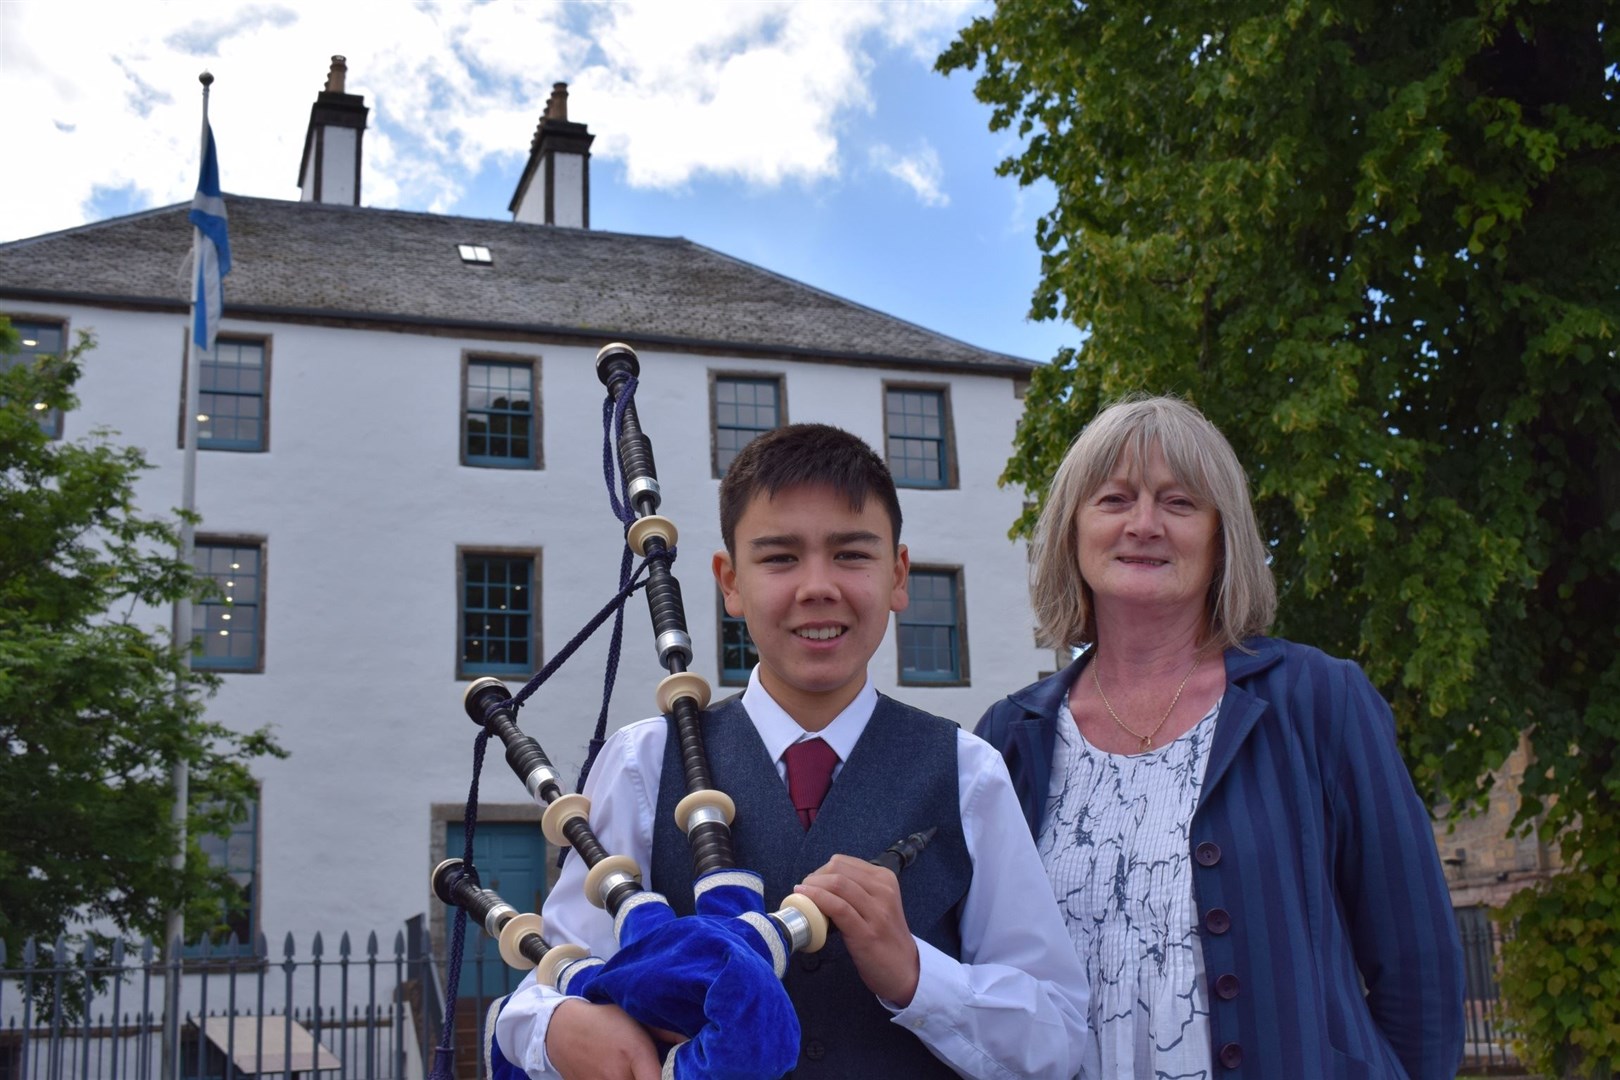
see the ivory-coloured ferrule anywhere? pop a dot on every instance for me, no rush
(560, 813)
(556, 957)
(511, 938)
(683, 684)
(807, 910)
(644, 529)
(701, 806)
(609, 874)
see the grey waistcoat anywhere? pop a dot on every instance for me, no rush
(900, 778)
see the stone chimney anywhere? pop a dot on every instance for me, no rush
(556, 184)
(330, 172)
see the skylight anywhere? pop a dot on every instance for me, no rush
(475, 253)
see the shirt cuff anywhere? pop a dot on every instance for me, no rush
(521, 1027)
(941, 988)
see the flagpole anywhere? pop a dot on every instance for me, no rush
(179, 776)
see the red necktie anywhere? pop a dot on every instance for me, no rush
(809, 775)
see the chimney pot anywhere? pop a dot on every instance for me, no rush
(335, 77)
(557, 104)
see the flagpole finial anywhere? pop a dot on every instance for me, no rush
(206, 78)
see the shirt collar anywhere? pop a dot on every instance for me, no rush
(777, 730)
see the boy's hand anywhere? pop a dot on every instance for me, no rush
(599, 1042)
(863, 901)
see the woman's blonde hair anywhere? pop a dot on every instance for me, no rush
(1242, 596)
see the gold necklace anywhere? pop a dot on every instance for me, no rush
(1147, 740)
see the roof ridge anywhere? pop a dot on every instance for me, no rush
(857, 304)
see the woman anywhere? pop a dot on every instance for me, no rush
(1246, 871)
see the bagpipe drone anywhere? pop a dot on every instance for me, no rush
(713, 977)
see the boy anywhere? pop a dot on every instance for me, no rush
(962, 965)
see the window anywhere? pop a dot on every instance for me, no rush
(231, 400)
(497, 614)
(476, 254)
(917, 430)
(737, 653)
(237, 852)
(742, 407)
(36, 340)
(499, 425)
(227, 626)
(932, 644)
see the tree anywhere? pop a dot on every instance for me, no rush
(1378, 244)
(95, 705)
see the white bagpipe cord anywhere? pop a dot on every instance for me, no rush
(713, 977)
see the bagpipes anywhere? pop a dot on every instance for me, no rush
(713, 977)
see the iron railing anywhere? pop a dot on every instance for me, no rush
(1485, 1046)
(82, 1012)
(88, 1014)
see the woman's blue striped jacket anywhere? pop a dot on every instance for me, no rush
(1327, 929)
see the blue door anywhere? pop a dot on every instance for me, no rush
(511, 860)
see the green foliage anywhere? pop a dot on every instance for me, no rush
(1378, 245)
(94, 704)
(1566, 979)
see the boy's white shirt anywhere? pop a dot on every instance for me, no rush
(1014, 1006)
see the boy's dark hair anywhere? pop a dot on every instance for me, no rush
(801, 455)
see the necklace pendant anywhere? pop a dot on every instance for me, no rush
(1147, 742)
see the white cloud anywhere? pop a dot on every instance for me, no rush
(919, 170)
(757, 93)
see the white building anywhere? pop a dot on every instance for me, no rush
(403, 408)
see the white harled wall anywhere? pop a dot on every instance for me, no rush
(363, 503)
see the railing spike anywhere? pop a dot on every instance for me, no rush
(399, 943)
(30, 953)
(287, 949)
(146, 952)
(117, 953)
(207, 949)
(316, 949)
(261, 947)
(3, 952)
(343, 945)
(233, 945)
(87, 955)
(371, 944)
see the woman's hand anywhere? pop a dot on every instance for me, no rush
(863, 901)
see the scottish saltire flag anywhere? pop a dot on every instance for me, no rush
(213, 254)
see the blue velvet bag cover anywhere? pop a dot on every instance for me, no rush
(714, 977)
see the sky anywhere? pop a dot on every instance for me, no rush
(813, 139)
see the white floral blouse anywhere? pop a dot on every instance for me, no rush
(1114, 844)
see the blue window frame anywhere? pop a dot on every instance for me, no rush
(930, 633)
(737, 653)
(231, 397)
(498, 422)
(36, 340)
(497, 614)
(227, 625)
(238, 853)
(918, 432)
(744, 407)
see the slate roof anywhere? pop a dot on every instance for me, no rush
(310, 260)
